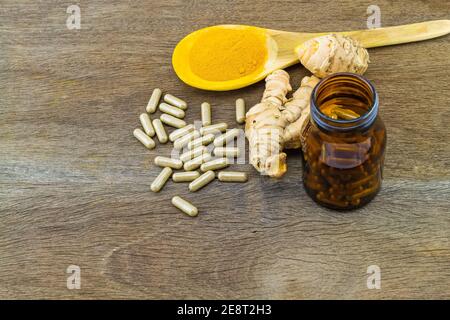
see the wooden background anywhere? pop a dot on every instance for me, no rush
(74, 183)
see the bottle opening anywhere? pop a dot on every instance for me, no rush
(344, 102)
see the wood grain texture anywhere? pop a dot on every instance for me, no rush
(74, 183)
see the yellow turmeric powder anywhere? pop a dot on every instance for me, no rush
(221, 54)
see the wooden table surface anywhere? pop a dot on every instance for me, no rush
(74, 182)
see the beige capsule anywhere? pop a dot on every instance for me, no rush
(232, 176)
(177, 102)
(180, 143)
(229, 152)
(201, 141)
(202, 181)
(187, 176)
(172, 121)
(215, 164)
(191, 154)
(345, 113)
(161, 179)
(147, 124)
(214, 128)
(185, 206)
(178, 133)
(206, 113)
(144, 139)
(173, 111)
(154, 100)
(168, 162)
(160, 131)
(195, 163)
(240, 110)
(323, 197)
(226, 137)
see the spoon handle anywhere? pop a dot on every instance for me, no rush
(400, 34)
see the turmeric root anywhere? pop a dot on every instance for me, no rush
(300, 101)
(333, 53)
(276, 123)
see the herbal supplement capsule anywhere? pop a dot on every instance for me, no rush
(191, 154)
(226, 137)
(144, 139)
(202, 181)
(180, 143)
(173, 111)
(316, 186)
(206, 113)
(214, 128)
(168, 162)
(177, 102)
(154, 100)
(366, 192)
(201, 141)
(215, 164)
(185, 176)
(337, 203)
(181, 132)
(172, 121)
(345, 114)
(240, 111)
(161, 179)
(232, 176)
(195, 163)
(360, 182)
(229, 152)
(160, 131)
(147, 124)
(185, 206)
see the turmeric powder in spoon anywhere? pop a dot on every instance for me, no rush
(228, 53)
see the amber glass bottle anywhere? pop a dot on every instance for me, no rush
(344, 144)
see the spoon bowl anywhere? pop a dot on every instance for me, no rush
(280, 47)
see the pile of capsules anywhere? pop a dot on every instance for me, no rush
(197, 143)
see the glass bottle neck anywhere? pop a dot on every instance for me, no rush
(345, 91)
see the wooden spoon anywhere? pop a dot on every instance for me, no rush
(282, 47)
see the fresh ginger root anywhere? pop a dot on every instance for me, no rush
(333, 53)
(276, 123)
(300, 102)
